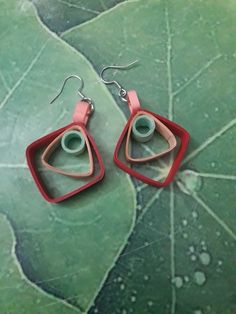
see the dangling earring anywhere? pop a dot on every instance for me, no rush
(141, 127)
(74, 140)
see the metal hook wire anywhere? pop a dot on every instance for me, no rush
(122, 91)
(89, 100)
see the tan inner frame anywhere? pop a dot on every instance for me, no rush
(162, 129)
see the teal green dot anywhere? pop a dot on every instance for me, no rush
(143, 128)
(73, 142)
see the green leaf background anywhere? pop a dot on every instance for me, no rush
(122, 247)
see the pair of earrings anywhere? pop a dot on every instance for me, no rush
(74, 140)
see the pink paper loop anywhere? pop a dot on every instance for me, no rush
(82, 112)
(133, 102)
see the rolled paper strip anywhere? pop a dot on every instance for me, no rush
(161, 128)
(53, 145)
(143, 128)
(51, 141)
(176, 130)
(73, 142)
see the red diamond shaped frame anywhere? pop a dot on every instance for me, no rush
(45, 140)
(176, 129)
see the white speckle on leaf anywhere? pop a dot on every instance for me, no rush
(185, 222)
(191, 249)
(150, 303)
(122, 287)
(195, 214)
(186, 278)
(189, 182)
(185, 235)
(133, 298)
(193, 258)
(205, 258)
(139, 207)
(23, 6)
(199, 278)
(178, 281)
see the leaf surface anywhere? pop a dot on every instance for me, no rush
(61, 15)
(67, 249)
(27, 297)
(181, 255)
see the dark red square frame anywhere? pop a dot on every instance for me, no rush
(176, 130)
(45, 140)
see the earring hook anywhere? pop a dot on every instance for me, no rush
(122, 91)
(84, 98)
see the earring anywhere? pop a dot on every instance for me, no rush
(141, 127)
(73, 141)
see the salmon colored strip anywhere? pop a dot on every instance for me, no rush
(161, 128)
(52, 146)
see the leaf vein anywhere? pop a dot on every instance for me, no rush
(23, 76)
(76, 6)
(219, 220)
(13, 166)
(169, 66)
(172, 248)
(216, 176)
(197, 74)
(209, 141)
(149, 204)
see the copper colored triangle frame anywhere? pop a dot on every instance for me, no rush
(162, 129)
(51, 147)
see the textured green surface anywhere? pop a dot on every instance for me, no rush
(60, 15)
(13, 284)
(67, 249)
(187, 72)
(180, 257)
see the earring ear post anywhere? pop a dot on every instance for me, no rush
(72, 140)
(122, 91)
(83, 97)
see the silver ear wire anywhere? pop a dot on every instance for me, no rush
(122, 91)
(83, 97)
